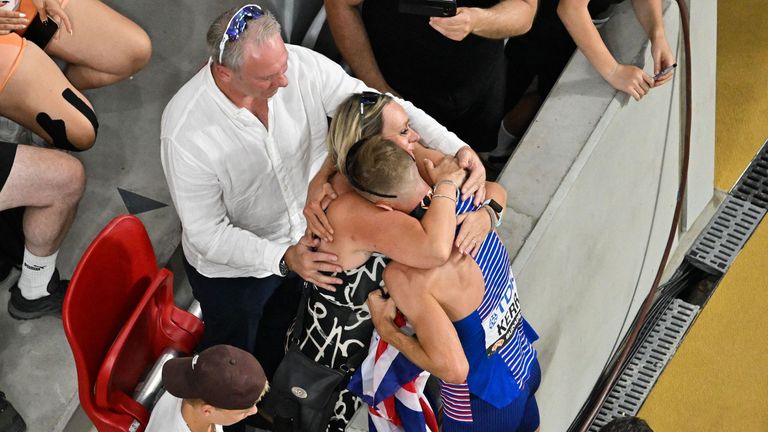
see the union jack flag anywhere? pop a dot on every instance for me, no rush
(393, 388)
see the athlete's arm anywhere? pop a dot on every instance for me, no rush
(437, 348)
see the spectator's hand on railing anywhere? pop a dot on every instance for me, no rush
(475, 184)
(456, 27)
(307, 263)
(475, 227)
(662, 58)
(52, 8)
(631, 80)
(319, 197)
(12, 20)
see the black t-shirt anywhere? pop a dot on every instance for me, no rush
(414, 57)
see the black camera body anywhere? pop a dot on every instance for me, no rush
(435, 8)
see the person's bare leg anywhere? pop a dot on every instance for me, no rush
(41, 99)
(49, 184)
(105, 47)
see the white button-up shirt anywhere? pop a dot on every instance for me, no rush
(239, 189)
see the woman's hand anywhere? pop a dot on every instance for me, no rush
(12, 20)
(475, 184)
(319, 196)
(447, 169)
(475, 227)
(52, 8)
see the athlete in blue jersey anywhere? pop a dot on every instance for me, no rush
(471, 334)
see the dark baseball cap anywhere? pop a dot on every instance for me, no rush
(222, 375)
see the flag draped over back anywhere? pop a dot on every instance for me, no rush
(393, 388)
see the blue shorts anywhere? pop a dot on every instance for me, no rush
(522, 415)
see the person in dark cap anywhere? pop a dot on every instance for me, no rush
(218, 387)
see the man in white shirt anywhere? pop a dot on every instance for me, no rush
(218, 387)
(240, 143)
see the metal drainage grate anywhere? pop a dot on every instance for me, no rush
(732, 225)
(645, 366)
(753, 184)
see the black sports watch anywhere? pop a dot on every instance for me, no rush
(284, 267)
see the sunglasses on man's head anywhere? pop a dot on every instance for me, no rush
(237, 24)
(349, 165)
(367, 98)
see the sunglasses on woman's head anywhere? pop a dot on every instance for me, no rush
(367, 98)
(350, 163)
(237, 24)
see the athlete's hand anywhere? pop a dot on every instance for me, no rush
(318, 199)
(475, 227)
(475, 184)
(53, 9)
(12, 20)
(302, 259)
(382, 309)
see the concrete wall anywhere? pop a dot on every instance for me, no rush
(592, 189)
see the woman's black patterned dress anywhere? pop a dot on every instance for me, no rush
(338, 325)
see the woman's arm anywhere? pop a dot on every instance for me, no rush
(424, 244)
(421, 154)
(320, 193)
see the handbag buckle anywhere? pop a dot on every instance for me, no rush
(299, 392)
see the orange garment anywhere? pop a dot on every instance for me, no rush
(12, 45)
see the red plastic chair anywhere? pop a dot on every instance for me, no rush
(118, 317)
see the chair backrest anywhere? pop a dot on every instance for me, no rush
(144, 337)
(108, 283)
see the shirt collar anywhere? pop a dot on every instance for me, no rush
(229, 108)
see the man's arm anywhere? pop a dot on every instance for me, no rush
(349, 33)
(437, 348)
(506, 19)
(627, 78)
(198, 199)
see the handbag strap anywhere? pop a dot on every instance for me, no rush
(298, 325)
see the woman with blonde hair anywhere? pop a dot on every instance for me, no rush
(412, 220)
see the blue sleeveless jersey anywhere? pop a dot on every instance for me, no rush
(495, 337)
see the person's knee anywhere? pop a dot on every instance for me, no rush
(77, 131)
(137, 53)
(73, 179)
(82, 135)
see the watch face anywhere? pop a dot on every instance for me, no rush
(495, 206)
